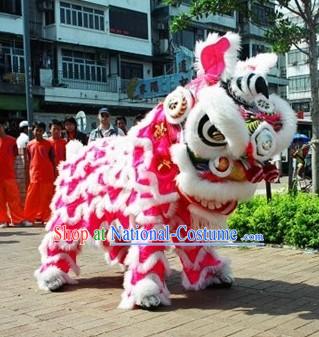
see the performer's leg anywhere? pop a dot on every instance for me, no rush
(57, 258)
(31, 207)
(144, 282)
(115, 254)
(14, 201)
(37, 203)
(4, 218)
(202, 267)
(45, 200)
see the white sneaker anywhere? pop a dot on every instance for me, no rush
(27, 224)
(3, 225)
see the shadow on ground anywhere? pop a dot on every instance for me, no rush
(8, 242)
(97, 282)
(23, 233)
(248, 295)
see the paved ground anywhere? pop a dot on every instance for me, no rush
(276, 294)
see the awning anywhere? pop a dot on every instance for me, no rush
(16, 102)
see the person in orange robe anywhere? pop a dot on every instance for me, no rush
(58, 144)
(11, 210)
(41, 176)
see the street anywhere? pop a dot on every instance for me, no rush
(276, 294)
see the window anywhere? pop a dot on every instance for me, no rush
(11, 59)
(128, 22)
(10, 6)
(187, 38)
(82, 66)
(49, 17)
(131, 70)
(301, 106)
(262, 15)
(244, 53)
(299, 84)
(297, 57)
(81, 16)
(259, 48)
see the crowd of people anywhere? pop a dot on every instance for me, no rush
(42, 156)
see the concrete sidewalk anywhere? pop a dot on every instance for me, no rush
(276, 294)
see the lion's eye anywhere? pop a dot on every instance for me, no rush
(209, 134)
(215, 134)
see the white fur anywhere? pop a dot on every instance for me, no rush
(224, 114)
(285, 135)
(73, 148)
(151, 285)
(259, 64)
(52, 273)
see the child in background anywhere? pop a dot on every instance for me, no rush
(58, 144)
(41, 176)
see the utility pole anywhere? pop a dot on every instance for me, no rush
(27, 64)
(268, 191)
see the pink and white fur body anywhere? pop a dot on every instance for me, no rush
(189, 162)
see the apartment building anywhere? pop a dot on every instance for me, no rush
(298, 75)
(90, 53)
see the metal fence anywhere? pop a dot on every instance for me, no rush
(109, 85)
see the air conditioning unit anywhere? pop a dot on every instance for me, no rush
(163, 46)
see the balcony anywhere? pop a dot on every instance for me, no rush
(71, 89)
(12, 24)
(13, 78)
(73, 82)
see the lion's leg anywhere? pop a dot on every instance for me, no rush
(57, 259)
(144, 281)
(202, 268)
(115, 254)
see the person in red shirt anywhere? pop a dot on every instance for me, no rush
(41, 177)
(11, 210)
(58, 144)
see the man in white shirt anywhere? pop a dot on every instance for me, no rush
(23, 138)
(105, 129)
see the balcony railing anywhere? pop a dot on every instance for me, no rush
(12, 78)
(110, 84)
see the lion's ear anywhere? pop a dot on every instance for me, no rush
(178, 104)
(217, 56)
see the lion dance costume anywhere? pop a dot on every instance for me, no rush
(190, 161)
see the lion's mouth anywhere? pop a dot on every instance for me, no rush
(214, 206)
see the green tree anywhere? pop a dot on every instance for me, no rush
(282, 34)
